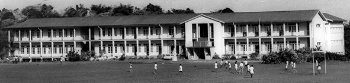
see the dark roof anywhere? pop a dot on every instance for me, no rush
(333, 18)
(267, 16)
(104, 21)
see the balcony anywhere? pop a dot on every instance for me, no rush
(203, 44)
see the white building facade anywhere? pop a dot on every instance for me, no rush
(196, 36)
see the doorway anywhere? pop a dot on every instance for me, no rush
(203, 30)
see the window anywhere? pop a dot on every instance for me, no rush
(37, 34)
(110, 49)
(54, 33)
(22, 50)
(103, 32)
(171, 30)
(33, 50)
(109, 31)
(27, 50)
(38, 50)
(116, 48)
(60, 49)
(71, 33)
(55, 49)
(194, 28)
(158, 31)
(145, 31)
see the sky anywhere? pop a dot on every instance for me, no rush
(340, 8)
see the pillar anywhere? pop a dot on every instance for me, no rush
(149, 32)
(9, 42)
(175, 31)
(271, 29)
(259, 27)
(125, 47)
(90, 39)
(297, 29)
(247, 40)
(197, 30)
(64, 47)
(30, 51)
(271, 45)
(112, 34)
(51, 34)
(260, 46)
(284, 43)
(297, 41)
(246, 27)
(63, 35)
(19, 35)
(284, 29)
(137, 33)
(161, 37)
(235, 27)
(113, 47)
(175, 46)
(137, 47)
(149, 47)
(124, 32)
(51, 50)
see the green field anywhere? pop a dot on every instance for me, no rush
(194, 71)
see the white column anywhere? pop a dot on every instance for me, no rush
(113, 47)
(271, 29)
(89, 39)
(149, 32)
(235, 27)
(51, 49)
(246, 27)
(51, 34)
(284, 43)
(9, 42)
(235, 47)
(137, 47)
(19, 35)
(162, 45)
(137, 33)
(74, 34)
(297, 40)
(161, 37)
(30, 35)
(124, 32)
(149, 47)
(125, 47)
(260, 46)
(271, 44)
(100, 32)
(175, 31)
(247, 40)
(30, 48)
(284, 29)
(175, 46)
(197, 30)
(64, 47)
(161, 32)
(63, 35)
(259, 30)
(297, 29)
(41, 48)
(112, 33)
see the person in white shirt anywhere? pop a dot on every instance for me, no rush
(251, 70)
(155, 68)
(221, 63)
(241, 66)
(229, 66)
(226, 64)
(287, 64)
(130, 67)
(216, 65)
(319, 69)
(245, 62)
(248, 68)
(180, 68)
(236, 66)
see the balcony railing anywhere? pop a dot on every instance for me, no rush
(203, 44)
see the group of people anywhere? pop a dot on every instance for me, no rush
(239, 67)
(292, 67)
(155, 68)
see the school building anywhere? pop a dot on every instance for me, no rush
(197, 36)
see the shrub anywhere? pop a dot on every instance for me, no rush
(226, 56)
(216, 56)
(73, 56)
(254, 55)
(233, 58)
(160, 56)
(122, 57)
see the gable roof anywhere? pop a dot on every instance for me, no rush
(333, 18)
(105, 21)
(202, 15)
(237, 17)
(268, 16)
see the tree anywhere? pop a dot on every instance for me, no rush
(180, 11)
(100, 9)
(226, 10)
(40, 11)
(153, 9)
(123, 10)
(78, 11)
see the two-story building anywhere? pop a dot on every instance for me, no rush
(193, 35)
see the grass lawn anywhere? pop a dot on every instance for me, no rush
(194, 71)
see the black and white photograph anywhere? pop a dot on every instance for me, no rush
(174, 41)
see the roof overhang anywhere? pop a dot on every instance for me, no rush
(202, 15)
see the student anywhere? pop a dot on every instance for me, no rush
(226, 64)
(180, 68)
(318, 69)
(229, 66)
(236, 66)
(216, 65)
(251, 70)
(241, 66)
(155, 68)
(287, 64)
(248, 68)
(130, 67)
(293, 67)
(245, 62)
(221, 63)
(61, 60)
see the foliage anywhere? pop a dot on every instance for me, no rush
(216, 56)
(153, 9)
(254, 55)
(180, 11)
(335, 56)
(85, 56)
(40, 11)
(225, 10)
(78, 11)
(233, 58)
(160, 56)
(73, 56)
(98, 9)
(122, 57)
(227, 56)
(123, 10)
